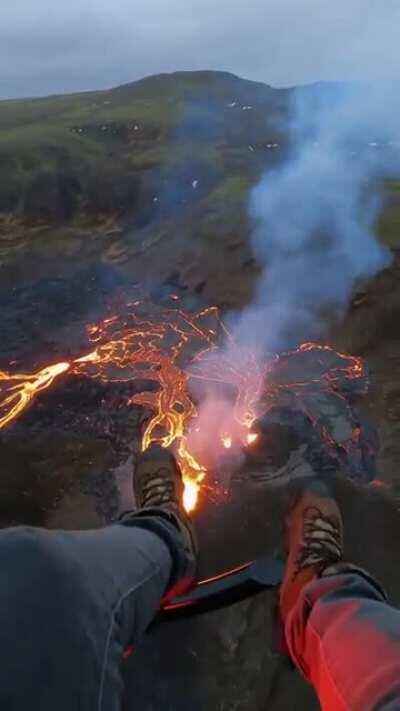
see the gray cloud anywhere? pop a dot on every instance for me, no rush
(48, 47)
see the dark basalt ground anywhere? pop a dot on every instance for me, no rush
(146, 186)
(67, 463)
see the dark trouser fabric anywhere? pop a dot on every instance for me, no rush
(70, 604)
(345, 638)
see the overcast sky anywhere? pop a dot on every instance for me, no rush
(48, 46)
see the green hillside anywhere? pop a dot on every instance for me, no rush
(68, 155)
(109, 173)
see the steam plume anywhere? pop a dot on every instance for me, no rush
(314, 218)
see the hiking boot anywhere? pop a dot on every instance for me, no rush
(158, 489)
(314, 542)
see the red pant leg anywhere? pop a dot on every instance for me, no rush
(345, 638)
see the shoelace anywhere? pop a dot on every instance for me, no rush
(322, 541)
(158, 490)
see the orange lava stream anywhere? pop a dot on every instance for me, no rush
(150, 350)
(130, 349)
(18, 390)
(157, 348)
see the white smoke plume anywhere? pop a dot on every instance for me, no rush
(315, 217)
(314, 222)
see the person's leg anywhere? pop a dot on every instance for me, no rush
(69, 605)
(71, 602)
(339, 629)
(345, 638)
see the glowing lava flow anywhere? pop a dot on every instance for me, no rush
(19, 390)
(155, 349)
(168, 348)
(130, 348)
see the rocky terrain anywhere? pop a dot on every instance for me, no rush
(105, 196)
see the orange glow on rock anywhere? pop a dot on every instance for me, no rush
(155, 344)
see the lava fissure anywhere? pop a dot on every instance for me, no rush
(171, 348)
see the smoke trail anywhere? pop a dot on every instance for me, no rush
(314, 223)
(315, 216)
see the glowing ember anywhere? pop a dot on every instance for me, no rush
(158, 345)
(227, 441)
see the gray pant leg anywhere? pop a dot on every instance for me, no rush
(70, 603)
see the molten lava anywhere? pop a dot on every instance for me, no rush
(18, 390)
(167, 348)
